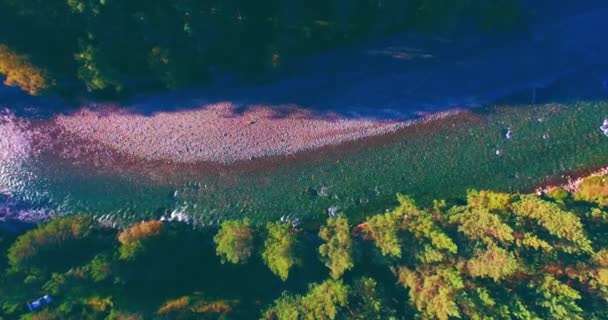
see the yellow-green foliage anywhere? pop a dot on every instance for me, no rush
(558, 299)
(278, 249)
(422, 225)
(336, 252)
(433, 291)
(479, 224)
(561, 224)
(558, 194)
(599, 215)
(94, 71)
(19, 71)
(489, 200)
(598, 273)
(100, 268)
(234, 241)
(132, 239)
(494, 262)
(593, 189)
(118, 315)
(322, 302)
(51, 235)
(383, 229)
(531, 241)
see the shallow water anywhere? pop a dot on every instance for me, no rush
(440, 159)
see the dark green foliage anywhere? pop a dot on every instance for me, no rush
(368, 302)
(110, 45)
(499, 256)
(55, 245)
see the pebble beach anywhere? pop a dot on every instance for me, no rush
(218, 133)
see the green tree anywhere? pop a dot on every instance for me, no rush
(234, 241)
(278, 251)
(133, 239)
(48, 246)
(559, 223)
(433, 291)
(384, 230)
(336, 252)
(489, 200)
(494, 262)
(95, 71)
(322, 302)
(479, 224)
(557, 299)
(368, 302)
(593, 189)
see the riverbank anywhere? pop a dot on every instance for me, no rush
(440, 158)
(218, 133)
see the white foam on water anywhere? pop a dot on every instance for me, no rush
(15, 148)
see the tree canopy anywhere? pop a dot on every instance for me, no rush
(491, 256)
(234, 241)
(279, 248)
(336, 252)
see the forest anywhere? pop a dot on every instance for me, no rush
(113, 47)
(490, 256)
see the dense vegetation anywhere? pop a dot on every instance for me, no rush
(110, 46)
(491, 256)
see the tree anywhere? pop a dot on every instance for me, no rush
(495, 263)
(383, 229)
(479, 224)
(322, 302)
(433, 291)
(132, 240)
(96, 73)
(489, 200)
(46, 246)
(336, 252)
(19, 71)
(368, 302)
(278, 249)
(559, 223)
(234, 241)
(424, 225)
(557, 299)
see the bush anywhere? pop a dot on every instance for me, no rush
(593, 189)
